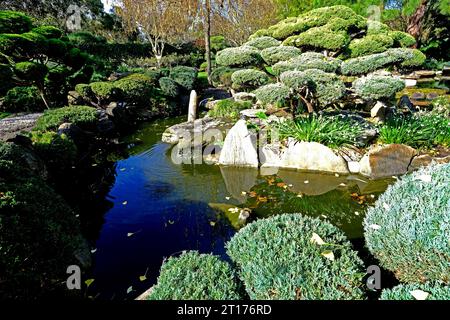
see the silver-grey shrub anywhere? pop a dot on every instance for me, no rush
(264, 42)
(378, 87)
(239, 57)
(281, 53)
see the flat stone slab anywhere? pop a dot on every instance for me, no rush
(12, 126)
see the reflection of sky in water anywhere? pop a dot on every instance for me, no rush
(161, 209)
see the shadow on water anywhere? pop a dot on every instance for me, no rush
(158, 209)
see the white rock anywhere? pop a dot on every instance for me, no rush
(239, 148)
(379, 110)
(354, 167)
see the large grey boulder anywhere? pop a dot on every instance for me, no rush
(239, 148)
(387, 161)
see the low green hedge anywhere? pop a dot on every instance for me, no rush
(432, 291)
(407, 229)
(81, 116)
(194, 276)
(278, 259)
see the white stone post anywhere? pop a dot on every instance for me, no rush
(192, 112)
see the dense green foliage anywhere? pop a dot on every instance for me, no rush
(135, 88)
(275, 95)
(169, 87)
(407, 229)
(281, 53)
(434, 291)
(81, 116)
(194, 276)
(249, 79)
(370, 44)
(221, 76)
(184, 76)
(378, 87)
(229, 108)
(278, 259)
(308, 60)
(14, 22)
(333, 132)
(418, 131)
(238, 57)
(262, 43)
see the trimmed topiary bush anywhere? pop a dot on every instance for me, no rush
(23, 99)
(184, 76)
(194, 276)
(407, 229)
(105, 91)
(48, 32)
(410, 58)
(221, 76)
(81, 116)
(276, 94)
(402, 39)
(293, 257)
(427, 291)
(370, 63)
(239, 57)
(308, 60)
(321, 38)
(14, 22)
(229, 108)
(135, 88)
(370, 44)
(281, 53)
(376, 27)
(31, 71)
(378, 87)
(56, 48)
(249, 79)
(262, 43)
(326, 87)
(169, 87)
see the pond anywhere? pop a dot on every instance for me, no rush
(160, 209)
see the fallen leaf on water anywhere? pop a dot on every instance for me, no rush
(129, 289)
(142, 278)
(212, 223)
(171, 222)
(88, 282)
(419, 294)
(125, 203)
(317, 239)
(123, 169)
(329, 255)
(93, 250)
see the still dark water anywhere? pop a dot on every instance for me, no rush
(160, 209)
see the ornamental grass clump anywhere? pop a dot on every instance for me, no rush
(418, 131)
(194, 276)
(332, 131)
(427, 291)
(407, 229)
(378, 87)
(294, 257)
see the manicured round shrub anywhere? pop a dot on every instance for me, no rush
(238, 57)
(39, 43)
(56, 48)
(169, 87)
(16, 45)
(281, 53)
(428, 291)
(105, 91)
(261, 33)
(326, 87)
(276, 94)
(194, 276)
(221, 76)
(370, 63)
(20, 99)
(184, 76)
(376, 27)
(410, 58)
(14, 22)
(402, 39)
(294, 257)
(370, 44)
(308, 60)
(378, 87)
(81, 116)
(407, 229)
(58, 74)
(31, 71)
(349, 25)
(249, 79)
(135, 88)
(48, 32)
(321, 38)
(84, 90)
(262, 43)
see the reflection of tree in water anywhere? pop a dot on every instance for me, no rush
(343, 206)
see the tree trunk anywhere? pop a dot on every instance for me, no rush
(415, 21)
(208, 39)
